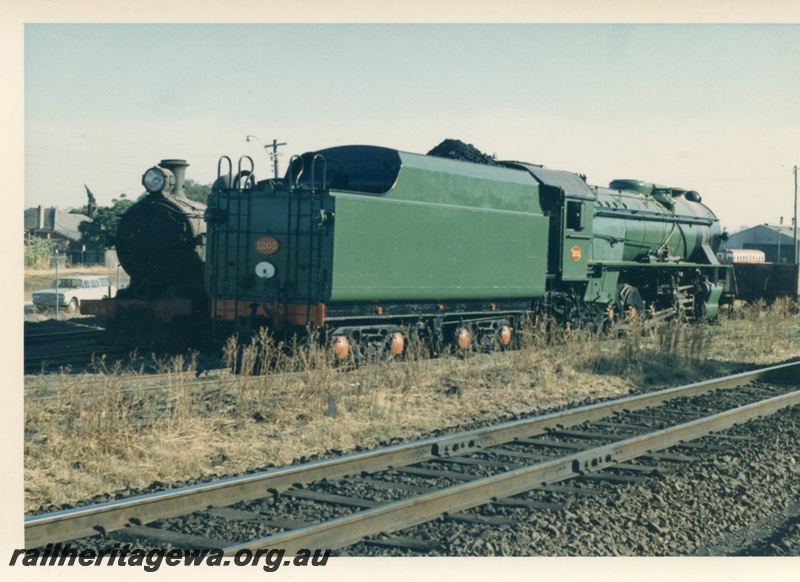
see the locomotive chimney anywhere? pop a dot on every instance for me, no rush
(178, 168)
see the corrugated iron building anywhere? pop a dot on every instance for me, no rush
(775, 240)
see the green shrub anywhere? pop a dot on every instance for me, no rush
(37, 253)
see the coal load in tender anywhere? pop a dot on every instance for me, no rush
(458, 150)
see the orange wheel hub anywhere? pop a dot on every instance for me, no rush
(505, 335)
(464, 338)
(398, 343)
(341, 347)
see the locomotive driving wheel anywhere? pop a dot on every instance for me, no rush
(629, 302)
(604, 317)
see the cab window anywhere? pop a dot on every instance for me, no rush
(574, 215)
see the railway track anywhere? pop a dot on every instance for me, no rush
(46, 338)
(338, 502)
(75, 347)
(72, 358)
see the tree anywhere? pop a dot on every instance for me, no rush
(99, 233)
(197, 192)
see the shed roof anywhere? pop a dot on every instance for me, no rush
(55, 221)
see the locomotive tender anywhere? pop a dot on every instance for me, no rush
(374, 245)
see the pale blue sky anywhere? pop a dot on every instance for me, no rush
(708, 107)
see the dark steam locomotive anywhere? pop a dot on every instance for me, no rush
(160, 243)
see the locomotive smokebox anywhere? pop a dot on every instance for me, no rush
(178, 168)
(160, 239)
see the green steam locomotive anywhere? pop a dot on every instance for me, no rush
(377, 247)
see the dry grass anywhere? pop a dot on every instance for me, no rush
(128, 431)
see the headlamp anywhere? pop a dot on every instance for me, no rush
(158, 180)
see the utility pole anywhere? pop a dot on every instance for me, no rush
(795, 215)
(273, 155)
(56, 283)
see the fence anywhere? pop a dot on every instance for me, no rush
(69, 258)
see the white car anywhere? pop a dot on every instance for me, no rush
(72, 290)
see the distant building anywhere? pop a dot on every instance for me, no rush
(52, 224)
(775, 240)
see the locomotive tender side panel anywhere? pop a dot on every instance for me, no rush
(447, 230)
(393, 250)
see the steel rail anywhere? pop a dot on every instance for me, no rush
(83, 357)
(134, 377)
(178, 380)
(101, 518)
(352, 528)
(61, 335)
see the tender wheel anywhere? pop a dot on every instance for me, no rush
(505, 337)
(395, 345)
(464, 339)
(341, 348)
(72, 306)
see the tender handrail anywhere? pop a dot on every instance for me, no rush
(314, 173)
(230, 169)
(250, 178)
(293, 184)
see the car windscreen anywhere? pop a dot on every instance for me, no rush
(68, 284)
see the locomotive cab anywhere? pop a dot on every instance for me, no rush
(570, 203)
